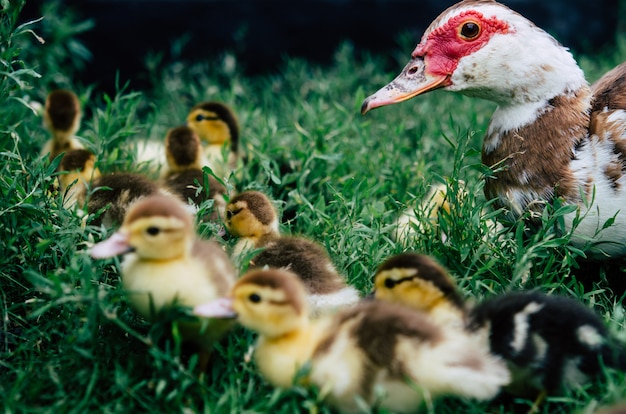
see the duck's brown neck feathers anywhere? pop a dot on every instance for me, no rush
(535, 158)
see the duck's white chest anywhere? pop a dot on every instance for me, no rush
(598, 171)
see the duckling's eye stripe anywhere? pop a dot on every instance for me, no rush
(391, 283)
(231, 213)
(207, 118)
(278, 302)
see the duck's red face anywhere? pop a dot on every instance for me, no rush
(449, 38)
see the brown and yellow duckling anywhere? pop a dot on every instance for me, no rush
(252, 218)
(548, 341)
(218, 129)
(184, 176)
(375, 353)
(420, 282)
(166, 264)
(106, 196)
(62, 115)
(78, 170)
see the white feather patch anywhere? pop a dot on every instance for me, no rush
(520, 334)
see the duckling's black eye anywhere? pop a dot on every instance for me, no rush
(153, 231)
(254, 298)
(231, 213)
(199, 117)
(390, 283)
(469, 30)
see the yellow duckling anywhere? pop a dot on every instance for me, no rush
(184, 175)
(61, 117)
(78, 169)
(217, 126)
(519, 327)
(110, 194)
(251, 216)
(167, 265)
(418, 281)
(408, 224)
(376, 353)
(411, 223)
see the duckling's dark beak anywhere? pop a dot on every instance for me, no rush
(219, 308)
(113, 246)
(414, 80)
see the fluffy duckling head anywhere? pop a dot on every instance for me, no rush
(417, 281)
(183, 149)
(215, 123)
(158, 227)
(271, 302)
(80, 168)
(251, 214)
(62, 112)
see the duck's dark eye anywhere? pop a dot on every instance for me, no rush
(199, 117)
(469, 30)
(231, 213)
(254, 298)
(153, 231)
(390, 283)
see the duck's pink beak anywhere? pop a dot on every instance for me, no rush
(115, 245)
(218, 308)
(412, 81)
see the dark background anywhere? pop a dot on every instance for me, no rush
(262, 32)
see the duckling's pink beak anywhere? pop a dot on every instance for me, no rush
(115, 245)
(415, 79)
(218, 308)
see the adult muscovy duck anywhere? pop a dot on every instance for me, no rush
(552, 134)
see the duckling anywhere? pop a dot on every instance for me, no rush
(408, 222)
(547, 341)
(166, 264)
(79, 167)
(216, 124)
(114, 193)
(110, 193)
(436, 201)
(374, 353)
(184, 175)
(251, 217)
(418, 281)
(61, 117)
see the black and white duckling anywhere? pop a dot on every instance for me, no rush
(375, 353)
(251, 216)
(548, 341)
(218, 128)
(166, 264)
(62, 115)
(184, 176)
(106, 196)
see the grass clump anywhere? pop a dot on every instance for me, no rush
(70, 343)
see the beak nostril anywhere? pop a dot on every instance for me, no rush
(412, 71)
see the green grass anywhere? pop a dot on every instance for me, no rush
(69, 341)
